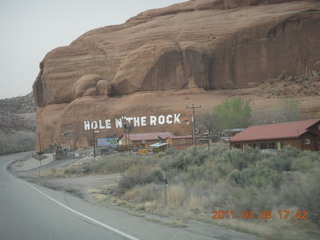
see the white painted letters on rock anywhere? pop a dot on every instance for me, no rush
(135, 121)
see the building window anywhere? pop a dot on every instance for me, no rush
(263, 146)
(272, 145)
(307, 141)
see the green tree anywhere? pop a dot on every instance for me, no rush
(291, 111)
(233, 113)
(288, 111)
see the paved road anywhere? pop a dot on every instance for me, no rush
(28, 214)
(32, 212)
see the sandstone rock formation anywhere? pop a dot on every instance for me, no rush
(91, 85)
(203, 44)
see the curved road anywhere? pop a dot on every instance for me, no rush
(32, 212)
(28, 214)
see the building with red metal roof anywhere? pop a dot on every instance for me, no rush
(149, 136)
(144, 139)
(304, 135)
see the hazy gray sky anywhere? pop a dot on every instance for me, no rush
(31, 28)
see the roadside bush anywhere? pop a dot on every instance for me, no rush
(176, 195)
(302, 164)
(236, 158)
(303, 191)
(195, 173)
(217, 197)
(242, 159)
(238, 177)
(139, 174)
(147, 193)
(183, 159)
(283, 161)
(216, 149)
(72, 171)
(263, 177)
(305, 161)
(170, 151)
(258, 177)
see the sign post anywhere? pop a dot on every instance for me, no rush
(165, 181)
(94, 143)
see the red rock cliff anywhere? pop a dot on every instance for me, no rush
(206, 44)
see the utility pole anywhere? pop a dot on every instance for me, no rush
(127, 129)
(126, 134)
(193, 122)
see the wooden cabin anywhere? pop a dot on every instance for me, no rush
(304, 135)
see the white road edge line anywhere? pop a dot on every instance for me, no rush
(80, 214)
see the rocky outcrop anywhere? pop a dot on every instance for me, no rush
(91, 85)
(198, 44)
(210, 44)
(196, 5)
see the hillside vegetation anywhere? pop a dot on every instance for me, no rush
(17, 124)
(17, 105)
(251, 185)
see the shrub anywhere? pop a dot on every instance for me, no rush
(185, 158)
(176, 195)
(218, 197)
(195, 202)
(139, 174)
(236, 158)
(263, 177)
(258, 177)
(147, 193)
(16, 142)
(305, 161)
(218, 148)
(170, 151)
(72, 171)
(303, 191)
(238, 177)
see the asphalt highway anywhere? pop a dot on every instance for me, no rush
(28, 213)
(32, 212)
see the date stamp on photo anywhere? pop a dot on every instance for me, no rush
(283, 214)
